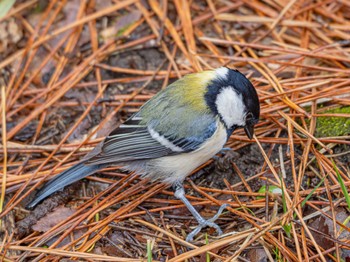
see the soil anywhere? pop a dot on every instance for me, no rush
(248, 159)
(129, 243)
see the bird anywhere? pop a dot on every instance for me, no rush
(173, 133)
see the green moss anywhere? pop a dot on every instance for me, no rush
(334, 126)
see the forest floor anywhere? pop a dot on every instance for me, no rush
(72, 71)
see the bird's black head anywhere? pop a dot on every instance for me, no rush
(232, 96)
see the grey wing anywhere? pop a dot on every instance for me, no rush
(185, 128)
(134, 141)
(128, 143)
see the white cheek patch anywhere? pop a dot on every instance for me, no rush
(230, 106)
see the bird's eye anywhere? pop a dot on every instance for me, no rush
(249, 117)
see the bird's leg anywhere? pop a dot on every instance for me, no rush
(180, 194)
(223, 151)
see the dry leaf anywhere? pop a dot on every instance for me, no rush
(50, 220)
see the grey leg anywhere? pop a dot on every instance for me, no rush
(180, 194)
(223, 151)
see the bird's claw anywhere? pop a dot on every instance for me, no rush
(207, 223)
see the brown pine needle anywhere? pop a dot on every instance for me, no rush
(68, 80)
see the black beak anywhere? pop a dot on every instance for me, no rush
(249, 131)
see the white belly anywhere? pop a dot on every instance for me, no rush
(171, 169)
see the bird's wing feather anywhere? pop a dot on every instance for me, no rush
(148, 135)
(129, 146)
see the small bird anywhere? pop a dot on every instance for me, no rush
(176, 131)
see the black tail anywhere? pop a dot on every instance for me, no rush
(67, 177)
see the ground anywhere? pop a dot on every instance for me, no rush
(72, 71)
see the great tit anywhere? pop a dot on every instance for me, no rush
(172, 134)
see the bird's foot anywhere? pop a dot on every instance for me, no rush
(180, 194)
(207, 223)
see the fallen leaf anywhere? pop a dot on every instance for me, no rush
(52, 219)
(5, 6)
(257, 255)
(325, 225)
